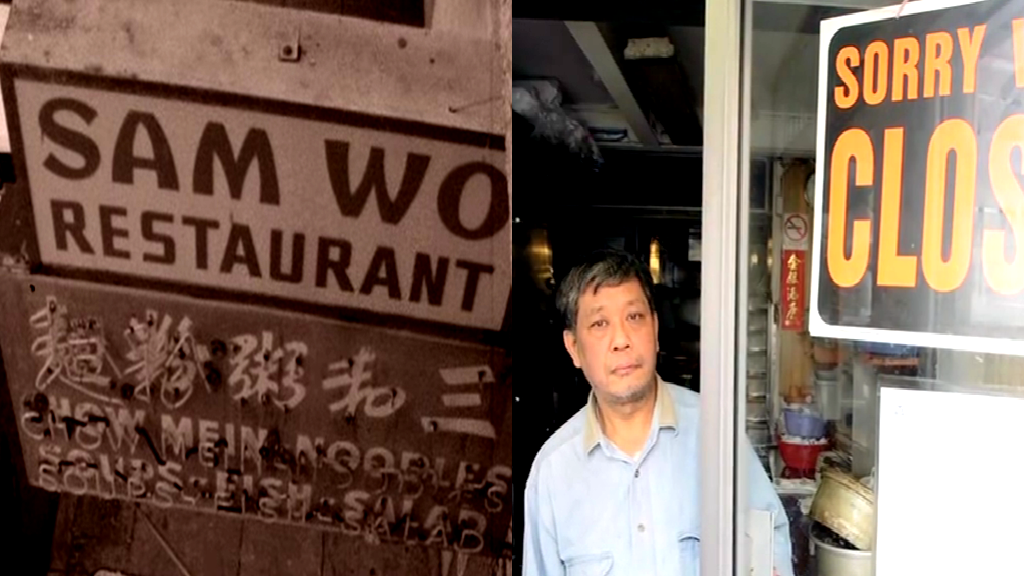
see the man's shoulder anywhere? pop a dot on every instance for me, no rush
(566, 442)
(683, 398)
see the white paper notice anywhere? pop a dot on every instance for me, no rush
(760, 539)
(950, 471)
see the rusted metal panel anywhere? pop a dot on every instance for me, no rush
(346, 63)
(205, 544)
(380, 436)
(301, 552)
(100, 540)
(408, 12)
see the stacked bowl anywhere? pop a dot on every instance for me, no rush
(803, 441)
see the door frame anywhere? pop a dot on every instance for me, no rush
(724, 251)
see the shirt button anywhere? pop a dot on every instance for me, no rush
(636, 474)
(640, 528)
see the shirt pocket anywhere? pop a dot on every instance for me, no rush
(689, 554)
(589, 565)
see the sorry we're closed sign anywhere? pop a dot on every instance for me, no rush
(919, 233)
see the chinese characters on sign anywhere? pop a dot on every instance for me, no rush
(794, 263)
(233, 410)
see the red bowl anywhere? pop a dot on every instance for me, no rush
(803, 457)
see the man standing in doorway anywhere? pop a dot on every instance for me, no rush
(616, 490)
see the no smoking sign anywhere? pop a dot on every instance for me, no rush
(795, 232)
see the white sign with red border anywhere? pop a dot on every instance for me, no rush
(796, 231)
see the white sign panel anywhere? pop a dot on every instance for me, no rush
(949, 475)
(293, 202)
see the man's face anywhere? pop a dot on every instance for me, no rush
(615, 341)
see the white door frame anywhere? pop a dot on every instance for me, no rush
(724, 250)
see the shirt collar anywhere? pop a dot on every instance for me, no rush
(664, 415)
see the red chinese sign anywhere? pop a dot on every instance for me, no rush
(793, 281)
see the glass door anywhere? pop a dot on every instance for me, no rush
(918, 162)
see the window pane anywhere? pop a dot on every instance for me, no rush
(894, 204)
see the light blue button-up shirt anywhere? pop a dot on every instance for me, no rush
(592, 510)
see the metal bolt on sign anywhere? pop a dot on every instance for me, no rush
(291, 50)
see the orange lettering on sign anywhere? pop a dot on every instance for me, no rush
(853, 146)
(937, 71)
(847, 94)
(893, 269)
(1006, 277)
(951, 136)
(876, 72)
(901, 71)
(970, 48)
(952, 153)
(906, 53)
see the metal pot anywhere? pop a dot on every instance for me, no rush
(833, 561)
(847, 507)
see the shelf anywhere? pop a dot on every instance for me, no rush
(887, 360)
(794, 490)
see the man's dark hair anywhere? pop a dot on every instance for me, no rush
(607, 267)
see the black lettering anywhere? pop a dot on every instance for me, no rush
(352, 204)
(148, 218)
(423, 275)
(473, 271)
(298, 252)
(202, 226)
(66, 137)
(384, 258)
(215, 142)
(76, 227)
(108, 232)
(240, 237)
(449, 199)
(125, 160)
(338, 266)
